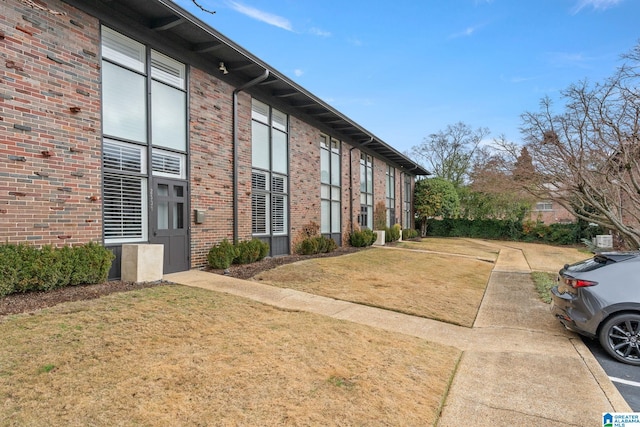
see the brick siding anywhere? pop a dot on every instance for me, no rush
(50, 183)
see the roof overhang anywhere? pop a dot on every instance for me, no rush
(187, 37)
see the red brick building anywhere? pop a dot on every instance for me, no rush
(135, 122)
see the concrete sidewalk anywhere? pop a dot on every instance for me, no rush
(519, 365)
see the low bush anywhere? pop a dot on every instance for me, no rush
(25, 268)
(409, 233)
(309, 241)
(392, 234)
(225, 253)
(251, 251)
(362, 238)
(222, 255)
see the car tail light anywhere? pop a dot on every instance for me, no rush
(578, 283)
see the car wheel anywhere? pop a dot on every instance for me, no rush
(620, 337)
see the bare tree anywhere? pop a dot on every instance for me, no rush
(588, 156)
(450, 154)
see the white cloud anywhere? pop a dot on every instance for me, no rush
(595, 4)
(568, 59)
(467, 32)
(298, 72)
(319, 32)
(266, 17)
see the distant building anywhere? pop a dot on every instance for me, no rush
(550, 212)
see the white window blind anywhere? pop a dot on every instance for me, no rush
(123, 50)
(279, 120)
(124, 208)
(167, 70)
(168, 164)
(123, 157)
(259, 111)
(279, 215)
(259, 202)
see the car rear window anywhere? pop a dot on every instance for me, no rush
(590, 264)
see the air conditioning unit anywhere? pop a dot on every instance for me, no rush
(604, 241)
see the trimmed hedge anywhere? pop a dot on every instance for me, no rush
(528, 231)
(224, 254)
(362, 238)
(409, 233)
(315, 245)
(251, 251)
(392, 234)
(25, 268)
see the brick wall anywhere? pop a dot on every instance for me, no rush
(350, 198)
(304, 173)
(50, 183)
(244, 166)
(379, 186)
(211, 159)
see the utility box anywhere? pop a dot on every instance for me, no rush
(198, 216)
(142, 263)
(604, 241)
(380, 240)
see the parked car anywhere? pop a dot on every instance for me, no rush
(600, 298)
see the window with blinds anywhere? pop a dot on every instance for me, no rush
(259, 203)
(408, 196)
(124, 208)
(171, 165)
(391, 195)
(269, 180)
(366, 191)
(330, 189)
(127, 92)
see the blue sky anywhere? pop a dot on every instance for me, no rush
(408, 68)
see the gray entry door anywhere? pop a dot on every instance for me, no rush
(170, 223)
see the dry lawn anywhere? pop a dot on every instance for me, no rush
(540, 257)
(549, 258)
(460, 246)
(441, 287)
(172, 355)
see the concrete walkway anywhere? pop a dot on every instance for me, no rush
(519, 366)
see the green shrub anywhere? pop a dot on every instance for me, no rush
(392, 234)
(315, 245)
(222, 255)
(10, 267)
(362, 238)
(326, 245)
(25, 268)
(307, 246)
(91, 263)
(409, 233)
(251, 251)
(264, 250)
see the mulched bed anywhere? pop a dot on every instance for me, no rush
(32, 301)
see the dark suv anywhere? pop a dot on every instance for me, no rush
(600, 297)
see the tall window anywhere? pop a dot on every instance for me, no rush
(269, 178)
(391, 195)
(366, 191)
(133, 79)
(330, 199)
(407, 195)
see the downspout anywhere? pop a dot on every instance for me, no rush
(245, 86)
(351, 178)
(403, 174)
